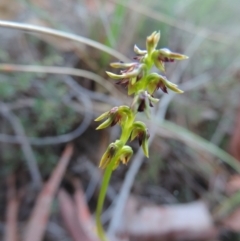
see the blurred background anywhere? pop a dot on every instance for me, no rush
(52, 89)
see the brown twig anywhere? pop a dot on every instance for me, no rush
(67, 207)
(11, 233)
(37, 224)
(82, 211)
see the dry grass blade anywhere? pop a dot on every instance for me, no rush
(11, 233)
(37, 224)
(60, 34)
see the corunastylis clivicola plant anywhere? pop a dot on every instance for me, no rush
(142, 84)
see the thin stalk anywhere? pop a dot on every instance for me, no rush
(107, 176)
(101, 198)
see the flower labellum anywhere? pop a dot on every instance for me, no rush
(140, 131)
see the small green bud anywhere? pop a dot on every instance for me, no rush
(152, 42)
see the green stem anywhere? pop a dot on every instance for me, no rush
(101, 198)
(107, 176)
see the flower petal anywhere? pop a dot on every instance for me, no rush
(172, 55)
(105, 124)
(173, 87)
(115, 76)
(102, 116)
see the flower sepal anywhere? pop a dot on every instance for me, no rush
(164, 55)
(138, 51)
(121, 65)
(140, 131)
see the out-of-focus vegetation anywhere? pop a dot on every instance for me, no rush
(189, 154)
